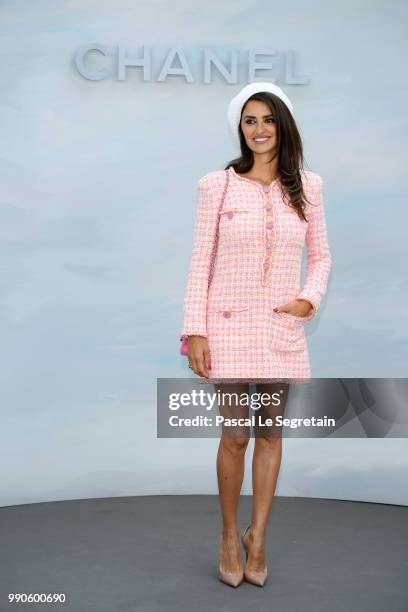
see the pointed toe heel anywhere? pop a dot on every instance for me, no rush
(233, 579)
(257, 578)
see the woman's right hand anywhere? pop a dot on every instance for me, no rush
(199, 355)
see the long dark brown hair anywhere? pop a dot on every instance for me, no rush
(289, 152)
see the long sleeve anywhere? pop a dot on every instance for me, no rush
(318, 253)
(206, 222)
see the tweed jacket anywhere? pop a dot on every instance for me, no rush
(246, 260)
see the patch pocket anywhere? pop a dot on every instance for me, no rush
(233, 218)
(236, 224)
(286, 332)
(228, 325)
(231, 212)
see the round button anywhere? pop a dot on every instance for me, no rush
(269, 245)
(269, 225)
(266, 188)
(230, 215)
(268, 206)
(226, 314)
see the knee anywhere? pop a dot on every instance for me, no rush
(268, 442)
(235, 445)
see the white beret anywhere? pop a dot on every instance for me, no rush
(238, 101)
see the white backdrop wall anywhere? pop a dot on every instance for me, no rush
(98, 195)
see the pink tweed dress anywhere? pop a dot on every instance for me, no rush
(246, 260)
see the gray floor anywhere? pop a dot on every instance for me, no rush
(160, 553)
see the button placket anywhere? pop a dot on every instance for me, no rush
(268, 234)
(268, 208)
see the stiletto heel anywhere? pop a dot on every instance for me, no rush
(233, 579)
(255, 577)
(243, 542)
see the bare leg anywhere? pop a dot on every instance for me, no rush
(265, 469)
(230, 472)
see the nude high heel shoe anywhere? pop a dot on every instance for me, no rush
(233, 579)
(254, 577)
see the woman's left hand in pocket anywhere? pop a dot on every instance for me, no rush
(298, 308)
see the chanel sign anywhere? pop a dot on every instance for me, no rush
(97, 62)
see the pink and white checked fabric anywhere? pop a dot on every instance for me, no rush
(230, 297)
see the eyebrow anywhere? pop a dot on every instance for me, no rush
(252, 116)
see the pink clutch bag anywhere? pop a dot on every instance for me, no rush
(184, 347)
(184, 339)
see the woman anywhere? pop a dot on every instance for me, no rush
(244, 309)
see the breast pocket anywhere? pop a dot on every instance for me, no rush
(286, 332)
(236, 222)
(228, 324)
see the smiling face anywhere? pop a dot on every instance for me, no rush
(259, 127)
